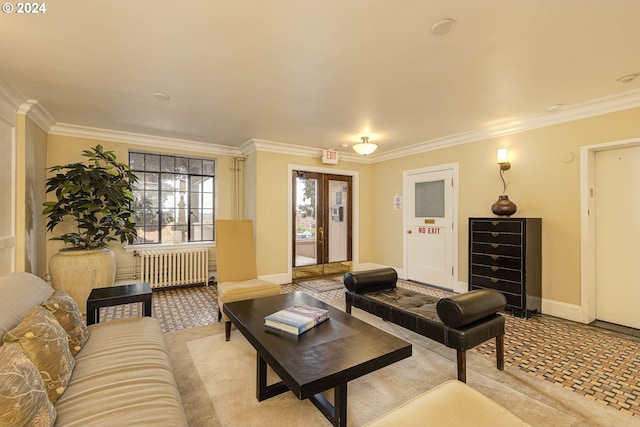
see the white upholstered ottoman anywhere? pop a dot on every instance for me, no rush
(451, 404)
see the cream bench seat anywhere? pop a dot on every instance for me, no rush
(450, 404)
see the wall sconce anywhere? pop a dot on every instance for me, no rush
(504, 206)
(503, 159)
(365, 147)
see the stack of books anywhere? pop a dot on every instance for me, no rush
(296, 319)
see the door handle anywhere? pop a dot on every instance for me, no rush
(408, 231)
(321, 233)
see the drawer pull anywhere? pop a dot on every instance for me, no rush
(494, 280)
(494, 245)
(494, 223)
(495, 268)
(495, 233)
(494, 257)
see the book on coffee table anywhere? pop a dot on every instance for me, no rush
(296, 319)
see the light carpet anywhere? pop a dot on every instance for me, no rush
(217, 383)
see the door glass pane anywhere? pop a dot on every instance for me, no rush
(429, 199)
(306, 211)
(338, 228)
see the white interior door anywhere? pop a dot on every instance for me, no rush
(617, 224)
(429, 227)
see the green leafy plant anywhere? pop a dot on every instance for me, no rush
(95, 198)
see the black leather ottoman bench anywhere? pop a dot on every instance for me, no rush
(460, 322)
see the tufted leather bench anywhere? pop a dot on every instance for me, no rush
(460, 322)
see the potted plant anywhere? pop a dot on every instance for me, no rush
(92, 208)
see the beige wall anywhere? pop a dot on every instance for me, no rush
(7, 183)
(272, 206)
(63, 149)
(30, 178)
(539, 182)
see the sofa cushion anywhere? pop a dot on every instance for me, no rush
(24, 400)
(123, 373)
(41, 338)
(68, 315)
(20, 292)
(452, 403)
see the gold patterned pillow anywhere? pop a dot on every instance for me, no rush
(41, 338)
(24, 400)
(68, 314)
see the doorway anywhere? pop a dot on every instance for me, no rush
(593, 278)
(617, 229)
(322, 224)
(429, 231)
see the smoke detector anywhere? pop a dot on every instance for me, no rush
(628, 78)
(443, 26)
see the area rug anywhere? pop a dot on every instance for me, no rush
(322, 285)
(217, 384)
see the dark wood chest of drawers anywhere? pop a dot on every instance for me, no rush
(505, 254)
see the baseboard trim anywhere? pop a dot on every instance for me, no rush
(368, 266)
(280, 279)
(562, 309)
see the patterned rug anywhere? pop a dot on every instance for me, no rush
(323, 284)
(602, 365)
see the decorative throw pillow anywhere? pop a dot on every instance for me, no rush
(24, 400)
(41, 338)
(68, 314)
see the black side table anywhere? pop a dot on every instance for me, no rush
(116, 295)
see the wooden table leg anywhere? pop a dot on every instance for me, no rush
(146, 306)
(500, 352)
(264, 391)
(336, 413)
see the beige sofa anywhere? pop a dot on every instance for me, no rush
(120, 376)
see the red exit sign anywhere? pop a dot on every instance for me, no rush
(330, 156)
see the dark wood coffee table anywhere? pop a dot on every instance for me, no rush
(327, 356)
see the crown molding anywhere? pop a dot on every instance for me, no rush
(15, 103)
(10, 94)
(10, 100)
(36, 112)
(77, 131)
(596, 107)
(254, 144)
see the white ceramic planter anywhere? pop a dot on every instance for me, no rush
(77, 271)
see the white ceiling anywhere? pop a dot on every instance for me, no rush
(317, 73)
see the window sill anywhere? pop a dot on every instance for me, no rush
(169, 246)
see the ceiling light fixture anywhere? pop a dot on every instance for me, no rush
(443, 26)
(628, 78)
(553, 108)
(365, 147)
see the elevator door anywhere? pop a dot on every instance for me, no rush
(322, 224)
